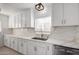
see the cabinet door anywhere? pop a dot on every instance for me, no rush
(31, 48)
(16, 21)
(15, 44)
(19, 20)
(28, 18)
(71, 13)
(34, 49)
(11, 21)
(11, 43)
(24, 48)
(1, 40)
(57, 14)
(23, 20)
(41, 50)
(22, 45)
(7, 41)
(49, 49)
(4, 21)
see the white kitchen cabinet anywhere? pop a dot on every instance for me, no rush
(49, 49)
(11, 21)
(11, 43)
(4, 21)
(57, 14)
(39, 48)
(25, 47)
(23, 24)
(14, 43)
(65, 14)
(27, 18)
(18, 20)
(1, 40)
(22, 19)
(44, 48)
(71, 14)
(7, 41)
(32, 48)
(22, 46)
(28, 47)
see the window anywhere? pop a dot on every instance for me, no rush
(43, 25)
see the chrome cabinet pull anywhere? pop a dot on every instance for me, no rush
(21, 44)
(48, 48)
(13, 42)
(35, 49)
(62, 21)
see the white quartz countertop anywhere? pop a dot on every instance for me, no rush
(29, 38)
(72, 44)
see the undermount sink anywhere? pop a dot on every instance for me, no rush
(37, 38)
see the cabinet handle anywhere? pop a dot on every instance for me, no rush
(13, 42)
(62, 21)
(48, 48)
(21, 44)
(69, 51)
(35, 49)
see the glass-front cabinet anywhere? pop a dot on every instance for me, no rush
(22, 19)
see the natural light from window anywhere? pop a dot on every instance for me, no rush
(43, 25)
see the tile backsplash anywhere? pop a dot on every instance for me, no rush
(66, 33)
(24, 32)
(27, 32)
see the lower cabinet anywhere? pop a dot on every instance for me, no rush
(7, 41)
(49, 49)
(22, 46)
(39, 48)
(29, 47)
(14, 43)
(1, 40)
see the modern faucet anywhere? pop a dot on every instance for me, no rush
(42, 35)
(48, 36)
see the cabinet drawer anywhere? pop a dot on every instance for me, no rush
(60, 48)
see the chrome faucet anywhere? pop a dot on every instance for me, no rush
(48, 36)
(42, 35)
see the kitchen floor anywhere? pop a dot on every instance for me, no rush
(8, 51)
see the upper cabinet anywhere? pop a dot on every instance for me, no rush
(4, 21)
(57, 14)
(65, 14)
(22, 19)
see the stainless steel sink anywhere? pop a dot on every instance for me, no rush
(37, 38)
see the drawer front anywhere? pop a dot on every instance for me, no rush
(60, 48)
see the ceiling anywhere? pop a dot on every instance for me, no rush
(18, 5)
(21, 5)
(8, 8)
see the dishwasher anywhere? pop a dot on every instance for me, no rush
(63, 50)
